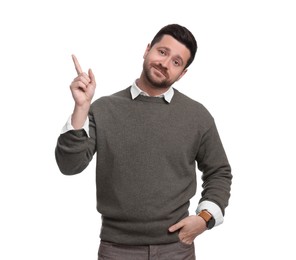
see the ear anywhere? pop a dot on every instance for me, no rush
(182, 74)
(147, 50)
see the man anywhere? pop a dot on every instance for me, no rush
(148, 139)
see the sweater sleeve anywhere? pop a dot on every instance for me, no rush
(216, 171)
(75, 149)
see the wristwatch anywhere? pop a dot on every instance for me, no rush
(210, 221)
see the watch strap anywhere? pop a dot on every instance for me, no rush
(205, 215)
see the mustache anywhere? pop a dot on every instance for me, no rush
(162, 69)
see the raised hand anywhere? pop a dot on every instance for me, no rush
(83, 86)
(83, 89)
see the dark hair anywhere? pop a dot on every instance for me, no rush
(181, 34)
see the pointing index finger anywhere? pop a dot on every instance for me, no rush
(76, 64)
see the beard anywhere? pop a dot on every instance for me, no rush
(155, 81)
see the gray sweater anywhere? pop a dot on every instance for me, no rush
(147, 151)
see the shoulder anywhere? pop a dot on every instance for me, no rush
(110, 99)
(192, 107)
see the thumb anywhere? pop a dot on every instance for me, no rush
(92, 76)
(176, 227)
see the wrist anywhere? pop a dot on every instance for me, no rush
(213, 208)
(79, 115)
(208, 218)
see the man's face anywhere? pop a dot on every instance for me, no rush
(164, 62)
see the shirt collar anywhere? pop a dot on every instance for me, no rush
(136, 91)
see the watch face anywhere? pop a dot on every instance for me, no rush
(211, 223)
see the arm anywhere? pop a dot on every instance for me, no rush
(213, 163)
(74, 151)
(75, 148)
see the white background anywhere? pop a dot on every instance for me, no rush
(244, 73)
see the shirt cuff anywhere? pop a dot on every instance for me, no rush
(68, 126)
(213, 208)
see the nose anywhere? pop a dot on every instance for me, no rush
(165, 62)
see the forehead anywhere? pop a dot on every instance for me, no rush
(175, 47)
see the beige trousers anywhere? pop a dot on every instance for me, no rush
(174, 251)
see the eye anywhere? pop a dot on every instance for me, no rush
(162, 52)
(176, 63)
